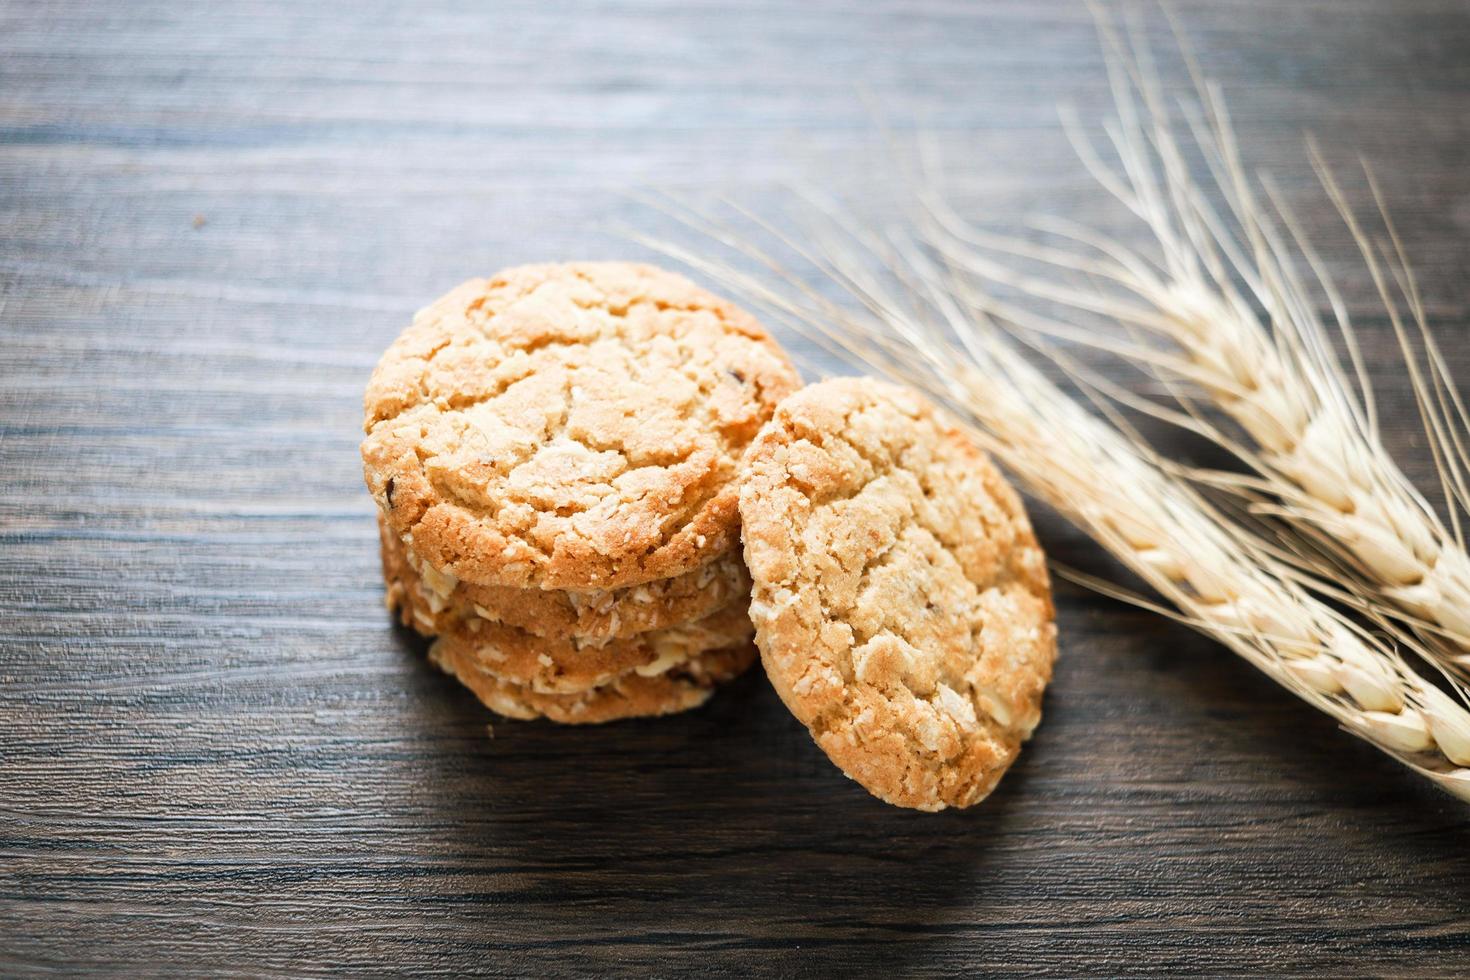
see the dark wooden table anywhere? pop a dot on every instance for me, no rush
(216, 755)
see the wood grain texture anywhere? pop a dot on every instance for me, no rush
(217, 755)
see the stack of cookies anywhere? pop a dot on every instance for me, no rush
(554, 452)
(565, 459)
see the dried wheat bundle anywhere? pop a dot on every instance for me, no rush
(1192, 311)
(920, 326)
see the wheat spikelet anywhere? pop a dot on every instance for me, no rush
(1312, 426)
(920, 327)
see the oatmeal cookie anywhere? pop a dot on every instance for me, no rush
(555, 665)
(902, 606)
(567, 667)
(680, 688)
(569, 426)
(591, 617)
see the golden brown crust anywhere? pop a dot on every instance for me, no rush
(553, 665)
(629, 696)
(561, 667)
(902, 604)
(569, 426)
(591, 617)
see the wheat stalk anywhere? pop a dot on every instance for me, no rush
(919, 326)
(1311, 424)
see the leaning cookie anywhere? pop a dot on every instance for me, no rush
(680, 688)
(569, 426)
(590, 617)
(901, 603)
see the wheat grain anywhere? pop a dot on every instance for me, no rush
(932, 334)
(1312, 425)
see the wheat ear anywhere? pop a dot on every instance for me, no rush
(1312, 425)
(916, 328)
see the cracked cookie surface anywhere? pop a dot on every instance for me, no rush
(598, 617)
(569, 426)
(901, 602)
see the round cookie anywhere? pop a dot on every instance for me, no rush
(902, 606)
(632, 695)
(569, 426)
(556, 665)
(591, 617)
(563, 667)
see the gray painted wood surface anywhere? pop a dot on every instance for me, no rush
(217, 756)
